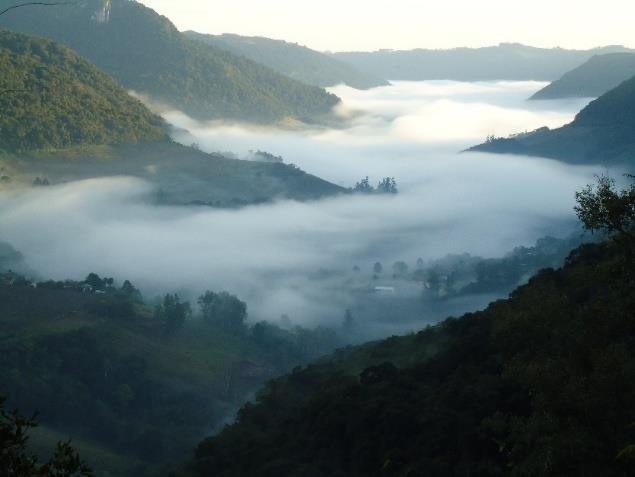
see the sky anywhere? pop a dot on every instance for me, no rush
(365, 25)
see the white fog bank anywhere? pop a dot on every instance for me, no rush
(269, 255)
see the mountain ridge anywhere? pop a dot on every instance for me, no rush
(146, 53)
(55, 99)
(296, 61)
(506, 61)
(598, 75)
(602, 133)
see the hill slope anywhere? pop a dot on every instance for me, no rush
(133, 391)
(539, 384)
(602, 133)
(146, 53)
(502, 62)
(180, 175)
(53, 98)
(293, 60)
(592, 79)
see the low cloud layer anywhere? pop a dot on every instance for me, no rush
(270, 255)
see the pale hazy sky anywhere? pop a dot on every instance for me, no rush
(400, 24)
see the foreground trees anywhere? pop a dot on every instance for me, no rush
(601, 207)
(16, 461)
(541, 384)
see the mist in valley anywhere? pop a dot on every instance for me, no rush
(313, 260)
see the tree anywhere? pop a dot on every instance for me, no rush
(348, 325)
(224, 310)
(364, 186)
(400, 268)
(387, 185)
(173, 312)
(94, 281)
(131, 292)
(601, 207)
(15, 460)
(378, 268)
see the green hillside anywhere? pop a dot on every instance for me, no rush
(135, 384)
(602, 133)
(146, 53)
(540, 384)
(293, 60)
(179, 175)
(52, 98)
(594, 78)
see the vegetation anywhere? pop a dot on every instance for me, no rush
(538, 384)
(602, 133)
(603, 208)
(135, 385)
(15, 460)
(180, 175)
(387, 185)
(146, 53)
(507, 61)
(600, 74)
(293, 60)
(55, 99)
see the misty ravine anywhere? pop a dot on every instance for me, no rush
(296, 259)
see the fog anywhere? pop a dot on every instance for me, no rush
(294, 258)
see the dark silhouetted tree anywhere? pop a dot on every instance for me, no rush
(387, 185)
(348, 325)
(601, 207)
(364, 186)
(15, 461)
(224, 310)
(173, 312)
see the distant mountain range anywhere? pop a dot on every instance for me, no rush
(507, 61)
(147, 54)
(602, 133)
(293, 60)
(50, 97)
(592, 79)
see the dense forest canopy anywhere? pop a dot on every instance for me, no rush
(147, 54)
(55, 99)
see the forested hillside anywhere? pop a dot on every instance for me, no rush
(180, 175)
(592, 79)
(146, 53)
(293, 60)
(52, 98)
(135, 382)
(602, 133)
(540, 384)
